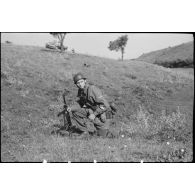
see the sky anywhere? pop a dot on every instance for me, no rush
(97, 43)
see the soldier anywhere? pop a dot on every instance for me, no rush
(92, 106)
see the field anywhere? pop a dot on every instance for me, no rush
(154, 118)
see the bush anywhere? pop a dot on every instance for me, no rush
(172, 126)
(161, 128)
(175, 120)
(143, 119)
(140, 124)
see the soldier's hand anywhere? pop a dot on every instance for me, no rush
(92, 117)
(69, 109)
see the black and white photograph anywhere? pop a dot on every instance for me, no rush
(97, 97)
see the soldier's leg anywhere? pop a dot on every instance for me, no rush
(102, 127)
(79, 119)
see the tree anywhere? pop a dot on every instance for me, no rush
(119, 44)
(60, 37)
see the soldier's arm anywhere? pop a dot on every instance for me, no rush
(100, 100)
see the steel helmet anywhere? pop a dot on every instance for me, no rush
(78, 77)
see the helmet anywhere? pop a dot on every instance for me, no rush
(78, 77)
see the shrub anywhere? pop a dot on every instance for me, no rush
(161, 128)
(143, 119)
(140, 124)
(172, 127)
(175, 120)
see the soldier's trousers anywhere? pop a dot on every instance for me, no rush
(81, 121)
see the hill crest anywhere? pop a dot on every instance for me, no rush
(173, 57)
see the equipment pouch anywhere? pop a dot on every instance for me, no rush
(111, 111)
(113, 107)
(109, 114)
(103, 117)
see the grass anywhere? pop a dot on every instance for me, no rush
(163, 136)
(155, 108)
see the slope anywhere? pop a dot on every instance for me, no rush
(177, 56)
(33, 79)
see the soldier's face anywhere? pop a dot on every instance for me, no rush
(81, 83)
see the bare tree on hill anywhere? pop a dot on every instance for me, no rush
(60, 37)
(119, 44)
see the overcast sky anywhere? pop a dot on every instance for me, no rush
(97, 43)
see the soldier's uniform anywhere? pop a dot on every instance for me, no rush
(91, 101)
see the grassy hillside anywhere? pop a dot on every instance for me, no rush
(154, 118)
(173, 57)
